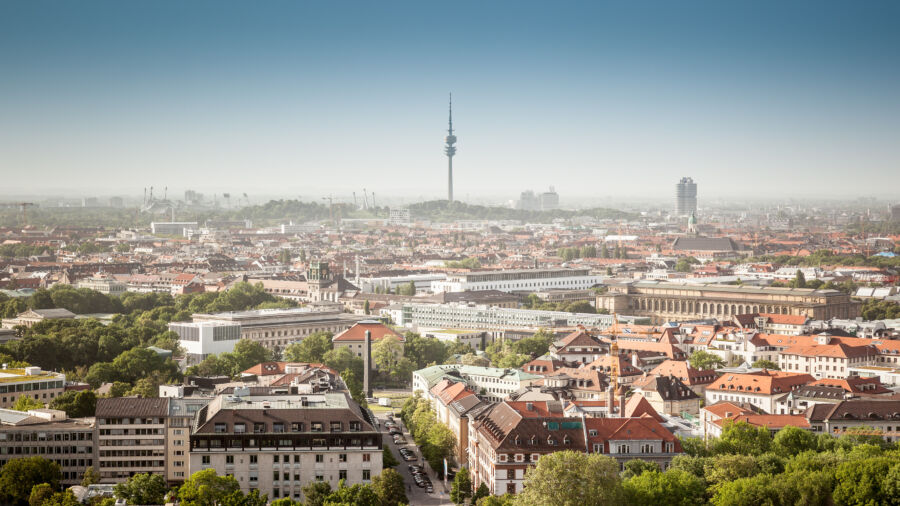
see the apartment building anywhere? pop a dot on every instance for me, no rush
(43, 386)
(492, 384)
(881, 417)
(760, 389)
(131, 437)
(832, 361)
(278, 444)
(506, 440)
(49, 434)
(182, 411)
(276, 328)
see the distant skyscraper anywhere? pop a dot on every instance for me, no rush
(685, 197)
(450, 150)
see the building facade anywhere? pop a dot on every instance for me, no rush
(663, 302)
(519, 280)
(685, 197)
(278, 444)
(205, 338)
(131, 437)
(42, 386)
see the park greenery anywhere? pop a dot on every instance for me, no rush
(532, 301)
(824, 257)
(513, 354)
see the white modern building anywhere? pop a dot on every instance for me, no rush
(104, 284)
(483, 317)
(423, 282)
(518, 280)
(172, 227)
(202, 339)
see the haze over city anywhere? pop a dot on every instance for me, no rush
(601, 100)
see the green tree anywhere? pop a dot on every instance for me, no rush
(637, 467)
(799, 280)
(494, 500)
(205, 488)
(25, 403)
(66, 498)
(315, 493)
(727, 468)
(311, 349)
(791, 441)
(361, 495)
(859, 482)
(40, 493)
(388, 459)
(685, 264)
(366, 308)
(744, 439)
(19, 476)
(143, 488)
(758, 490)
(461, 489)
(90, 476)
(342, 359)
(704, 360)
(76, 404)
(765, 364)
(674, 487)
(481, 492)
(389, 488)
(424, 350)
(569, 478)
(386, 353)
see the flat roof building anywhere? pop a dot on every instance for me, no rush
(517, 280)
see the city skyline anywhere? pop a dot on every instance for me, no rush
(592, 99)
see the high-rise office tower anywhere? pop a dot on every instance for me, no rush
(685, 197)
(450, 150)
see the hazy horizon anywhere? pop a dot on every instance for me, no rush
(600, 100)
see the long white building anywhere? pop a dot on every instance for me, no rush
(518, 280)
(482, 317)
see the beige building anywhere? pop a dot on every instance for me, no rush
(47, 433)
(672, 301)
(43, 386)
(278, 443)
(178, 436)
(32, 316)
(276, 328)
(131, 437)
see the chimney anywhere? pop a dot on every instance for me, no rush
(621, 402)
(367, 364)
(610, 400)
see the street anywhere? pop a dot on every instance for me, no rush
(415, 494)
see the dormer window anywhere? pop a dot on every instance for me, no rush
(501, 457)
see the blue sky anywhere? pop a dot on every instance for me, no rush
(605, 98)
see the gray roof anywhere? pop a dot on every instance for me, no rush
(705, 244)
(54, 313)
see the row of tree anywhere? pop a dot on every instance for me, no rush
(435, 440)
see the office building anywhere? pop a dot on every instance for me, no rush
(549, 200)
(182, 411)
(43, 386)
(131, 437)
(278, 444)
(482, 317)
(517, 280)
(686, 197)
(49, 434)
(204, 338)
(276, 328)
(180, 228)
(107, 285)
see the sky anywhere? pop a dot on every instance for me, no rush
(596, 98)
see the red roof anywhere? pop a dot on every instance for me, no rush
(358, 332)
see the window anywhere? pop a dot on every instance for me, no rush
(205, 460)
(220, 428)
(501, 457)
(320, 458)
(337, 426)
(240, 428)
(254, 459)
(367, 457)
(316, 426)
(367, 474)
(259, 427)
(342, 457)
(229, 459)
(277, 427)
(342, 474)
(297, 427)
(275, 459)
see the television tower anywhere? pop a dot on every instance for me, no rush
(450, 150)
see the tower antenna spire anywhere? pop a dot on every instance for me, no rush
(450, 150)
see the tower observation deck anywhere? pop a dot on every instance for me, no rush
(450, 151)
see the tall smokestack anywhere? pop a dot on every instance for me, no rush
(367, 364)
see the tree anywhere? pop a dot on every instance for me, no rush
(637, 467)
(765, 364)
(860, 481)
(356, 495)
(76, 404)
(19, 476)
(145, 387)
(481, 492)
(387, 352)
(727, 468)
(743, 439)
(799, 280)
(389, 488)
(311, 349)
(66, 498)
(791, 441)
(758, 490)
(572, 478)
(424, 350)
(675, 487)
(316, 492)
(25, 403)
(494, 500)
(143, 488)
(684, 264)
(388, 459)
(366, 307)
(205, 488)
(704, 360)
(90, 477)
(461, 489)
(39, 494)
